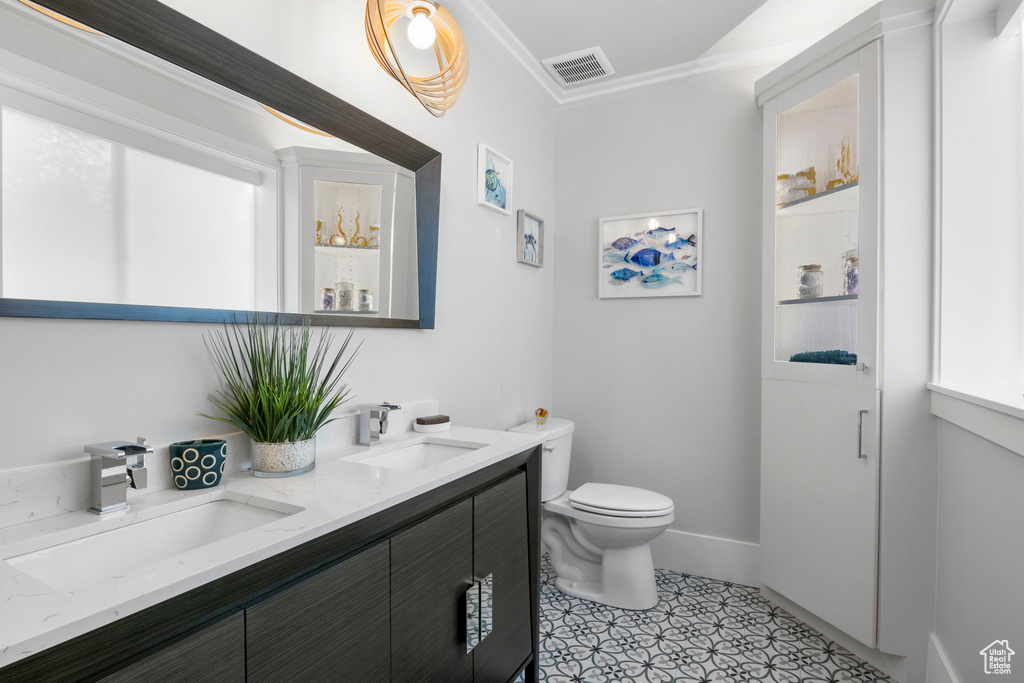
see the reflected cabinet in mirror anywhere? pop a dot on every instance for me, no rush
(154, 170)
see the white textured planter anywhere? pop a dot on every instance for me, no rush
(283, 459)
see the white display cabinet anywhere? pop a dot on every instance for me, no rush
(339, 217)
(846, 438)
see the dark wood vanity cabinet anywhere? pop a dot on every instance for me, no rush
(381, 599)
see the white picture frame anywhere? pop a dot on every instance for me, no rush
(494, 190)
(655, 254)
(529, 239)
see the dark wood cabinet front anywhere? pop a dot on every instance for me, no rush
(431, 568)
(501, 550)
(333, 627)
(215, 653)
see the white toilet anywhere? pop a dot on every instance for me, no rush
(598, 536)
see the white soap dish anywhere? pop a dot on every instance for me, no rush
(432, 424)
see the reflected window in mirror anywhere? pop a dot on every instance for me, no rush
(96, 212)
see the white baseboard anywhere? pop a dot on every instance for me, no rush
(715, 558)
(939, 670)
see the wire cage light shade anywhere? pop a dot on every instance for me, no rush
(438, 92)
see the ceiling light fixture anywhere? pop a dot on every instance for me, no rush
(62, 19)
(430, 26)
(300, 126)
(422, 33)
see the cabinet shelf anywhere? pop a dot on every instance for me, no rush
(818, 196)
(818, 300)
(348, 246)
(347, 312)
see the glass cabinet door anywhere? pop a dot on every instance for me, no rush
(816, 255)
(353, 212)
(822, 233)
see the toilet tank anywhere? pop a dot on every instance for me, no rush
(557, 450)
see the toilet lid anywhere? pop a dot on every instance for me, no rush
(620, 501)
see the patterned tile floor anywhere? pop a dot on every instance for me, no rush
(700, 630)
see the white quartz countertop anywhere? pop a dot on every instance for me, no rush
(338, 492)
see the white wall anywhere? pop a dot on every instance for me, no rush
(66, 382)
(665, 392)
(980, 551)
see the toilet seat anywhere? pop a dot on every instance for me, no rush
(620, 501)
(621, 513)
(562, 506)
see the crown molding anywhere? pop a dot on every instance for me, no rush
(738, 59)
(484, 17)
(891, 16)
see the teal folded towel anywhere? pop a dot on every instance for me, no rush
(836, 357)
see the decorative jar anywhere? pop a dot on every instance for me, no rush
(285, 459)
(811, 280)
(851, 272)
(345, 296)
(365, 299)
(327, 299)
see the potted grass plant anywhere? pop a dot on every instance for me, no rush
(279, 388)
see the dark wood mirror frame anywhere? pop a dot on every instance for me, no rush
(166, 33)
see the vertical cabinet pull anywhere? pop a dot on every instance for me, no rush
(479, 607)
(860, 434)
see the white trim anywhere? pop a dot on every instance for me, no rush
(1009, 17)
(487, 19)
(939, 668)
(993, 413)
(936, 340)
(738, 59)
(121, 131)
(888, 17)
(716, 558)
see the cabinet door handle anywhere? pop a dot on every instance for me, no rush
(860, 434)
(479, 610)
(486, 606)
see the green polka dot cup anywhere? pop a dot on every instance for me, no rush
(198, 464)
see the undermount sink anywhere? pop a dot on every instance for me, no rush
(94, 558)
(423, 454)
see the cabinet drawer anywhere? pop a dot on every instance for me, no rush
(216, 653)
(334, 626)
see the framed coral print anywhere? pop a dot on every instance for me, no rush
(494, 180)
(529, 239)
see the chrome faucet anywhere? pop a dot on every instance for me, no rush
(111, 475)
(373, 421)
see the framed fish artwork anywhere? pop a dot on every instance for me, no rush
(530, 239)
(650, 254)
(494, 180)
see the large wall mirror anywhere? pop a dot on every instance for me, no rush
(152, 169)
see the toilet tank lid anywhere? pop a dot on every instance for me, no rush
(552, 429)
(621, 498)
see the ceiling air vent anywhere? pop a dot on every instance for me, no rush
(580, 66)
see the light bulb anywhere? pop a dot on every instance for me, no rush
(422, 33)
